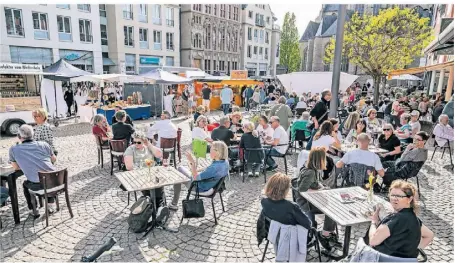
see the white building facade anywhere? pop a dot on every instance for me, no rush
(257, 28)
(42, 34)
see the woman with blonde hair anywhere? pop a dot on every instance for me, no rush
(351, 122)
(43, 131)
(310, 179)
(250, 140)
(276, 207)
(401, 233)
(218, 169)
(200, 131)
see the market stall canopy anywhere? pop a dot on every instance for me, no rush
(164, 77)
(113, 77)
(406, 77)
(64, 71)
(195, 74)
(440, 66)
(315, 82)
(213, 79)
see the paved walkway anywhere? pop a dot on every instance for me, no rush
(100, 211)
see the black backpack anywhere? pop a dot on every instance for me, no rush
(140, 214)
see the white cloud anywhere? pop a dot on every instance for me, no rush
(304, 13)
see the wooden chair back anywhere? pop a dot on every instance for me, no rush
(53, 182)
(117, 147)
(168, 145)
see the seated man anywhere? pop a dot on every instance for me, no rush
(443, 132)
(280, 137)
(301, 104)
(414, 154)
(165, 128)
(362, 156)
(224, 134)
(122, 130)
(128, 118)
(32, 156)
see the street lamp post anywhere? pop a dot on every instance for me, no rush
(337, 60)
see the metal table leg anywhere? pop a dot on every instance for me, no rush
(347, 240)
(12, 189)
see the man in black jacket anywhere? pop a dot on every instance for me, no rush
(128, 118)
(319, 113)
(122, 130)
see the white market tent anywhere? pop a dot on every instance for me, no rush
(406, 77)
(316, 82)
(164, 77)
(112, 78)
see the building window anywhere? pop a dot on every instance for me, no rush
(64, 28)
(143, 14)
(376, 8)
(128, 32)
(208, 9)
(261, 36)
(223, 11)
(85, 30)
(169, 61)
(229, 11)
(260, 52)
(128, 12)
(344, 64)
(84, 8)
(250, 14)
(268, 20)
(359, 9)
(236, 41)
(102, 10)
(248, 52)
(221, 65)
(266, 53)
(223, 41)
(14, 25)
(170, 41)
(170, 16)
(130, 63)
(208, 39)
(157, 40)
(214, 40)
(197, 8)
(143, 38)
(40, 25)
(256, 35)
(207, 65)
(197, 41)
(156, 15)
(305, 58)
(236, 13)
(250, 33)
(214, 9)
(255, 51)
(63, 6)
(103, 29)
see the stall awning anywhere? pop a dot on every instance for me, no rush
(108, 62)
(420, 69)
(236, 82)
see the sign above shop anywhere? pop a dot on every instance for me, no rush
(72, 56)
(13, 68)
(149, 60)
(239, 74)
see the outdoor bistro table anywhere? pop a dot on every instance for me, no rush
(371, 148)
(141, 180)
(7, 173)
(344, 214)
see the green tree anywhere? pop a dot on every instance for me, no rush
(289, 44)
(383, 43)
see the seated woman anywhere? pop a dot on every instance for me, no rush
(264, 129)
(351, 122)
(326, 137)
(199, 111)
(361, 127)
(371, 119)
(101, 128)
(310, 179)
(199, 132)
(135, 156)
(218, 169)
(414, 154)
(401, 233)
(250, 140)
(276, 207)
(336, 128)
(236, 122)
(301, 124)
(390, 142)
(404, 133)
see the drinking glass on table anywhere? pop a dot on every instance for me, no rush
(166, 162)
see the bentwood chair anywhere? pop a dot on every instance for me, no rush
(117, 149)
(169, 147)
(101, 147)
(53, 184)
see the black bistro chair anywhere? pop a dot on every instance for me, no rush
(444, 147)
(117, 148)
(283, 156)
(217, 189)
(101, 147)
(169, 148)
(300, 137)
(244, 157)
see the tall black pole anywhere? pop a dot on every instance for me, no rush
(337, 60)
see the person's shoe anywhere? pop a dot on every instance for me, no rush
(173, 207)
(333, 239)
(272, 168)
(250, 174)
(34, 215)
(256, 174)
(325, 241)
(51, 210)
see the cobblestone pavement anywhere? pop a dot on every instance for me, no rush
(100, 212)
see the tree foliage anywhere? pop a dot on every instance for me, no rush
(382, 43)
(289, 44)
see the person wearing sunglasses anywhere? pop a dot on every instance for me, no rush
(401, 233)
(415, 153)
(390, 142)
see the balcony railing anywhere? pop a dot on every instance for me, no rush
(169, 22)
(41, 34)
(143, 18)
(156, 20)
(128, 15)
(65, 37)
(144, 44)
(157, 46)
(86, 38)
(260, 23)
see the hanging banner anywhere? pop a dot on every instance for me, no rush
(239, 74)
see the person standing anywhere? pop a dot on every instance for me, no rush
(168, 103)
(270, 88)
(43, 131)
(69, 99)
(226, 98)
(319, 114)
(283, 112)
(261, 95)
(206, 96)
(248, 95)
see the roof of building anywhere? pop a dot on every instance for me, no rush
(332, 30)
(330, 8)
(310, 31)
(325, 24)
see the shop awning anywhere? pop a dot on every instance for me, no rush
(420, 69)
(236, 82)
(108, 62)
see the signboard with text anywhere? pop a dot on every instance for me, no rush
(14, 68)
(239, 74)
